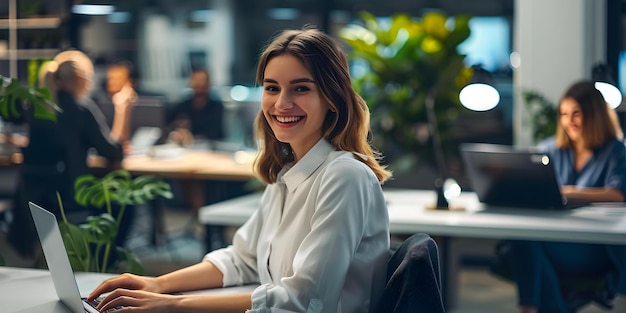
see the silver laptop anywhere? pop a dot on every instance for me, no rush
(58, 261)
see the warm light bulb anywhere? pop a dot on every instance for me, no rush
(479, 97)
(611, 94)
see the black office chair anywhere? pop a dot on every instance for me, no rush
(413, 278)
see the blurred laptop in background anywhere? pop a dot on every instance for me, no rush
(508, 177)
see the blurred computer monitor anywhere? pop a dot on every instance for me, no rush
(148, 111)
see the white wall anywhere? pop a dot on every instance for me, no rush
(165, 42)
(558, 42)
(95, 38)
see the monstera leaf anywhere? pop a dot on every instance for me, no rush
(15, 98)
(90, 244)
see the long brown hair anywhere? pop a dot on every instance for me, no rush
(600, 122)
(346, 125)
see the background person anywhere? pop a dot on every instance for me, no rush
(117, 102)
(199, 118)
(199, 115)
(57, 150)
(319, 241)
(590, 160)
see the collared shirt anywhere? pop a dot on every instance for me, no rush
(606, 168)
(319, 241)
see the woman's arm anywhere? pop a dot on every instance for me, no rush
(96, 132)
(203, 275)
(151, 293)
(593, 194)
(123, 102)
(126, 300)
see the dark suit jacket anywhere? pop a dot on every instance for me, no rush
(55, 156)
(206, 122)
(58, 150)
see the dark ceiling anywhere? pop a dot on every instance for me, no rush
(386, 7)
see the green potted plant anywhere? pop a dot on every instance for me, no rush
(542, 114)
(15, 97)
(90, 245)
(406, 59)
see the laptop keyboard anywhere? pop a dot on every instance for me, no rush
(94, 303)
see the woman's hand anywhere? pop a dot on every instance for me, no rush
(125, 97)
(181, 137)
(568, 190)
(137, 301)
(126, 281)
(592, 194)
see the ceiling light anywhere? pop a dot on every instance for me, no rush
(93, 9)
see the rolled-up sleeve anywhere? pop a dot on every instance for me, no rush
(237, 262)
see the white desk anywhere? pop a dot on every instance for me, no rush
(32, 291)
(408, 214)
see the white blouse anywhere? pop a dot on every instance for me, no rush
(319, 241)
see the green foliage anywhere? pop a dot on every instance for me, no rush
(15, 97)
(543, 114)
(29, 8)
(407, 59)
(85, 242)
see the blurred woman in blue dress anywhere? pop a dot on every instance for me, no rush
(589, 157)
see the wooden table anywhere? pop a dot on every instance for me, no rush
(188, 164)
(192, 166)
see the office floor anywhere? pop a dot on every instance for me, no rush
(479, 291)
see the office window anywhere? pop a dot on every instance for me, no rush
(489, 43)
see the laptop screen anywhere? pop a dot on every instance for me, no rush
(57, 259)
(505, 176)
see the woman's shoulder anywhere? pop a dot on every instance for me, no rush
(615, 145)
(548, 145)
(346, 163)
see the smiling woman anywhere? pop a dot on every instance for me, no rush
(319, 241)
(589, 158)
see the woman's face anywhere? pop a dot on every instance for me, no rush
(292, 103)
(571, 118)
